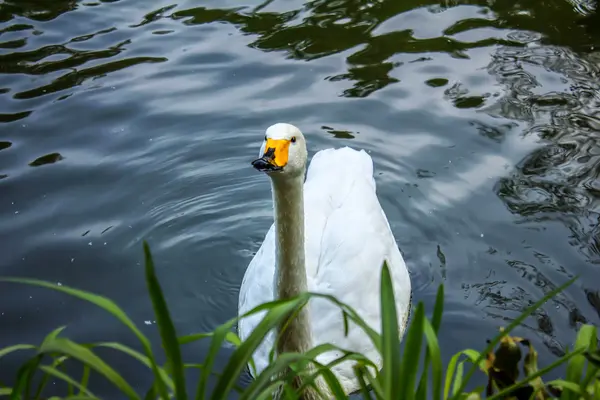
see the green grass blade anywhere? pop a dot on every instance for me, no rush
(433, 350)
(412, 354)
(576, 365)
(332, 382)
(85, 376)
(323, 369)
(165, 327)
(373, 382)
(86, 356)
(57, 361)
(267, 393)
(511, 326)
(107, 305)
(5, 392)
(24, 377)
(458, 378)
(592, 369)
(16, 347)
(569, 386)
(63, 376)
(450, 373)
(280, 365)
(193, 337)
(218, 337)
(436, 322)
(389, 336)
(138, 356)
(240, 357)
(364, 389)
(44, 381)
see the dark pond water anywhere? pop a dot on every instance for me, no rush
(129, 120)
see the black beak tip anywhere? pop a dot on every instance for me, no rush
(263, 165)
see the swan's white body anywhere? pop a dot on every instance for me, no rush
(346, 239)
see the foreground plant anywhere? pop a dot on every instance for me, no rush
(399, 378)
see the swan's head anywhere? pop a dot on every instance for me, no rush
(283, 152)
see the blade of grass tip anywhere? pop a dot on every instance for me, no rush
(433, 349)
(215, 345)
(412, 353)
(390, 338)
(242, 354)
(86, 356)
(436, 322)
(63, 376)
(528, 311)
(5, 391)
(576, 365)
(107, 305)
(504, 392)
(165, 326)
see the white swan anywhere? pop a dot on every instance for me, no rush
(330, 236)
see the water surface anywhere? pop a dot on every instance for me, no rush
(124, 120)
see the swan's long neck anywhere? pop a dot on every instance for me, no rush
(290, 277)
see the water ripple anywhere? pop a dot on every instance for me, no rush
(125, 121)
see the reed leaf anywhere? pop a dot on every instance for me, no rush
(576, 365)
(165, 326)
(390, 337)
(412, 353)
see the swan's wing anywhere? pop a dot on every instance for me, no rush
(257, 288)
(354, 242)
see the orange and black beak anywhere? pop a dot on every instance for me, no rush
(275, 156)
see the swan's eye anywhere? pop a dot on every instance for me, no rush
(265, 138)
(293, 139)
